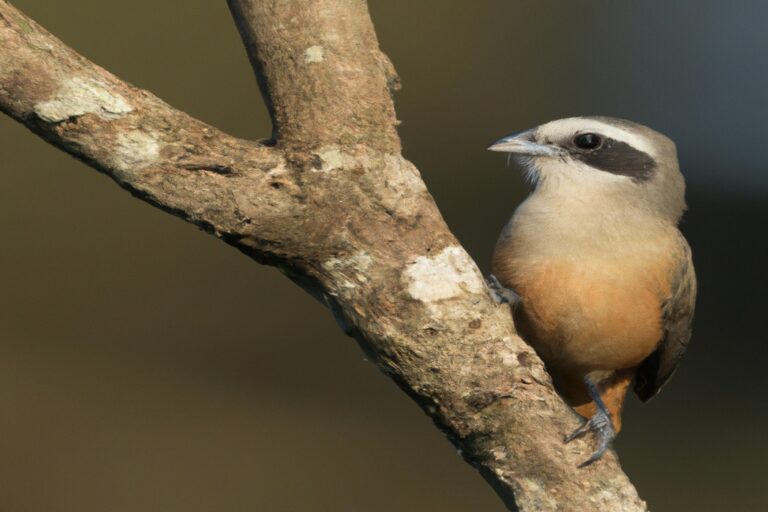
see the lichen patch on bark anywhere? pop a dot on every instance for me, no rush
(135, 150)
(78, 96)
(332, 158)
(314, 54)
(353, 268)
(444, 276)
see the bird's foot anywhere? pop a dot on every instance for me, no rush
(500, 294)
(600, 424)
(602, 427)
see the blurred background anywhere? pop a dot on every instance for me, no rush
(146, 366)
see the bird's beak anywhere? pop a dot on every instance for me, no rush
(523, 144)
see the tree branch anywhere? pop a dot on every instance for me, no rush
(337, 208)
(321, 72)
(162, 155)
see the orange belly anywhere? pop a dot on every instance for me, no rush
(589, 322)
(589, 319)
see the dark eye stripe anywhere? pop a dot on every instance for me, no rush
(619, 158)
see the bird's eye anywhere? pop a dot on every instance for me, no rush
(587, 141)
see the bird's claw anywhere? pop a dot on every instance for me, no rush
(500, 294)
(602, 426)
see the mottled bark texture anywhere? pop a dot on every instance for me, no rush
(333, 204)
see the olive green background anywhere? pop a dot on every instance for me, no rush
(146, 366)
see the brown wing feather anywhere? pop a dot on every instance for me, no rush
(677, 313)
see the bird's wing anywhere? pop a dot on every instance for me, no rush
(677, 317)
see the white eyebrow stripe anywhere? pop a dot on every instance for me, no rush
(564, 128)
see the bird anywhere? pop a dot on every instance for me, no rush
(600, 280)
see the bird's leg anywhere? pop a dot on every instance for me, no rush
(500, 294)
(600, 423)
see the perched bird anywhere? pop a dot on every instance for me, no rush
(600, 280)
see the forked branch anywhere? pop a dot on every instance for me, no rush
(336, 207)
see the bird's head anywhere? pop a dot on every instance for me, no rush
(596, 157)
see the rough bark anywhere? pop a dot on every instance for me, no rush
(333, 204)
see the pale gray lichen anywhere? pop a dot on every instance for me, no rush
(78, 96)
(443, 276)
(333, 158)
(405, 185)
(135, 150)
(354, 267)
(314, 54)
